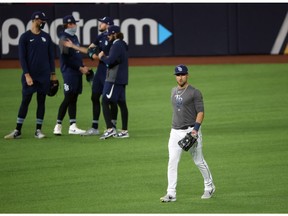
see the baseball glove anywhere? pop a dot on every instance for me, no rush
(54, 86)
(90, 76)
(187, 142)
(93, 50)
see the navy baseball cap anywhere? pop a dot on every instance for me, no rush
(39, 15)
(181, 69)
(69, 19)
(113, 29)
(107, 20)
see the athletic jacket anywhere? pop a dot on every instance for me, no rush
(117, 63)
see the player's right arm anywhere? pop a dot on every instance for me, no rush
(22, 51)
(70, 44)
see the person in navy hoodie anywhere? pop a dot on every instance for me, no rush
(36, 56)
(114, 90)
(72, 69)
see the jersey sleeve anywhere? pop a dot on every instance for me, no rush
(22, 52)
(113, 58)
(63, 49)
(51, 55)
(198, 101)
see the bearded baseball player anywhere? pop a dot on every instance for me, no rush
(188, 114)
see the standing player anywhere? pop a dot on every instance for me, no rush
(72, 69)
(103, 44)
(37, 61)
(188, 114)
(116, 80)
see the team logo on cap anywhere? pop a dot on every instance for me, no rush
(179, 69)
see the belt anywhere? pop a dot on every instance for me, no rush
(186, 127)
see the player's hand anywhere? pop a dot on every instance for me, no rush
(68, 43)
(101, 54)
(194, 133)
(53, 77)
(29, 79)
(84, 70)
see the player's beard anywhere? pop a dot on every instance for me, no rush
(181, 83)
(112, 38)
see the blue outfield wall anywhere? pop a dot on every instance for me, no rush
(161, 29)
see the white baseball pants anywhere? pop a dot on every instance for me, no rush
(174, 157)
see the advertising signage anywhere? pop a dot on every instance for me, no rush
(158, 29)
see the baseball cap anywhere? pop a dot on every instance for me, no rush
(69, 19)
(113, 29)
(39, 15)
(107, 20)
(181, 69)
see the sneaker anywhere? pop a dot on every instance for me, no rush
(73, 129)
(108, 133)
(91, 132)
(122, 134)
(14, 135)
(168, 198)
(58, 130)
(39, 134)
(208, 193)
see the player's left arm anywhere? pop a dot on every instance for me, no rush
(198, 122)
(199, 106)
(51, 59)
(114, 54)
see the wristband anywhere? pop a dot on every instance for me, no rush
(197, 126)
(53, 73)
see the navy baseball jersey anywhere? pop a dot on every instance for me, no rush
(34, 51)
(104, 45)
(70, 62)
(70, 59)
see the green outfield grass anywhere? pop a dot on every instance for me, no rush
(245, 144)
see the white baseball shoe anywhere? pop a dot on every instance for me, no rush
(58, 130)
(73, 129)
(13, 135)
(208, 193)
(122, 134)
(168, 198)
(108, 133)
(91, 132)
(39, 134)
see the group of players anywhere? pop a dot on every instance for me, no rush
(36, 56)
(37, 61)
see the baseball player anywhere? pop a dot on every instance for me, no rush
(114, 90)
(36, 56)
(188, 114)
(102, 44)
(72, 69)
